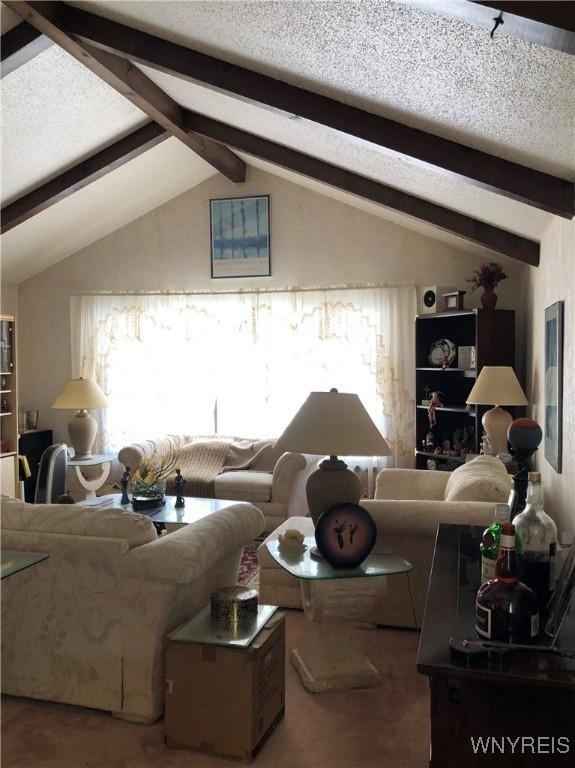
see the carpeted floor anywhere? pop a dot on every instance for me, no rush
(386, 727)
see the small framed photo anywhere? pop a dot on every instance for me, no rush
(554, 385)
(453, 300)
(240, 237)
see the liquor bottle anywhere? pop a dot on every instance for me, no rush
(489, 546)
(506, 610)
(538, 536)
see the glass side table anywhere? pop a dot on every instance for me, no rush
(334, 600)
(12, 562)
(103, 460)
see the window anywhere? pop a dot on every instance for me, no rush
(242, 364)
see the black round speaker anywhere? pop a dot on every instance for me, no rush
(429, 298)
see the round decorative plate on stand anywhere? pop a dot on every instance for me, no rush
(345, 535)
(442, 352)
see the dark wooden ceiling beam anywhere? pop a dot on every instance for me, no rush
(19, 45)
(128, 80)
(554, 13)
(479, 168)
(78, 177)
(478, 232)
(549, 24)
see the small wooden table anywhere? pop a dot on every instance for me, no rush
(525, 695)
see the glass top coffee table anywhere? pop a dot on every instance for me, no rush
(195, 508)
(334, 599)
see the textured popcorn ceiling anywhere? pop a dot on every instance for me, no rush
(358, 156)
(126, 193)
(505, 96)
(54, 114)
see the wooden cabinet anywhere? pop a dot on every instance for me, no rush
(501, 698)
(8, 407)
(486, 335)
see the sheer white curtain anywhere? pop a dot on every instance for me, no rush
(242, 364)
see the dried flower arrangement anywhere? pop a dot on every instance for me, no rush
(487, 276)
(152, 471)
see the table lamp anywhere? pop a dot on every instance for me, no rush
(332, 423)
(80, 394)
(497, 385)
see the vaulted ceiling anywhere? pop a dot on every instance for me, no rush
(411, 108)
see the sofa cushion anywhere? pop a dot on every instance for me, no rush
(244, 485)
(482, 479)
(75, 520)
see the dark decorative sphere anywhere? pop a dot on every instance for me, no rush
(524, 435)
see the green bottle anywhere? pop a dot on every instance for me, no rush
(489, 546)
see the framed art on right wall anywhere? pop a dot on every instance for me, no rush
(554, 384)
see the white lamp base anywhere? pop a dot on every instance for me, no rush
(82, 429)
(496, 422)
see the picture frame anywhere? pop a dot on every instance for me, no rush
(553, 429)
(240, 237)
(453, 301)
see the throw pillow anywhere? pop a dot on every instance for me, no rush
(483, 479)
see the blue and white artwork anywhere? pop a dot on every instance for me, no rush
(240, 230)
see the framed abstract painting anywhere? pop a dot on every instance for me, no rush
(240, 236)
(554, 385)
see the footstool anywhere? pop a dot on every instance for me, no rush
(278, 587)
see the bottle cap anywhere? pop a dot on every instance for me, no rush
(534, 477)
(502, 513)
(508, 529)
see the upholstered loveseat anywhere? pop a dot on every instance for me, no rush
(87, 626)
(228, 468)
(408, 506)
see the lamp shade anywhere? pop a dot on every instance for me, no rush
(497, 385)
(335, 424)
(79, 394)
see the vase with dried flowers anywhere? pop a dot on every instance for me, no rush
(149, 479)
(487, 276)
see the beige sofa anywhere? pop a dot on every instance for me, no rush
(408, 506)
(243, 470)
(88, 625)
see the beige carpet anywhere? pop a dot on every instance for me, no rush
(386, 727)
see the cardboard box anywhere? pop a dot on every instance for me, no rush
(225, 700)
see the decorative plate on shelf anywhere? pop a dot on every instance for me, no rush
(442, 351)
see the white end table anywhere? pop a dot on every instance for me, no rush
(328, 659)
(103, 460)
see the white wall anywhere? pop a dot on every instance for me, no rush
(9, 299)
(315, 241)
(553, 281)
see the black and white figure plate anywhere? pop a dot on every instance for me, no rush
(442, 351)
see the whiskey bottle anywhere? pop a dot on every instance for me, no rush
(489, 546)
(538, 536)
(506, 610)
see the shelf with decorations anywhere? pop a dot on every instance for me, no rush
(450, 350)
(8, 407)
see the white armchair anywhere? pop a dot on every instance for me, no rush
(408, 506)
